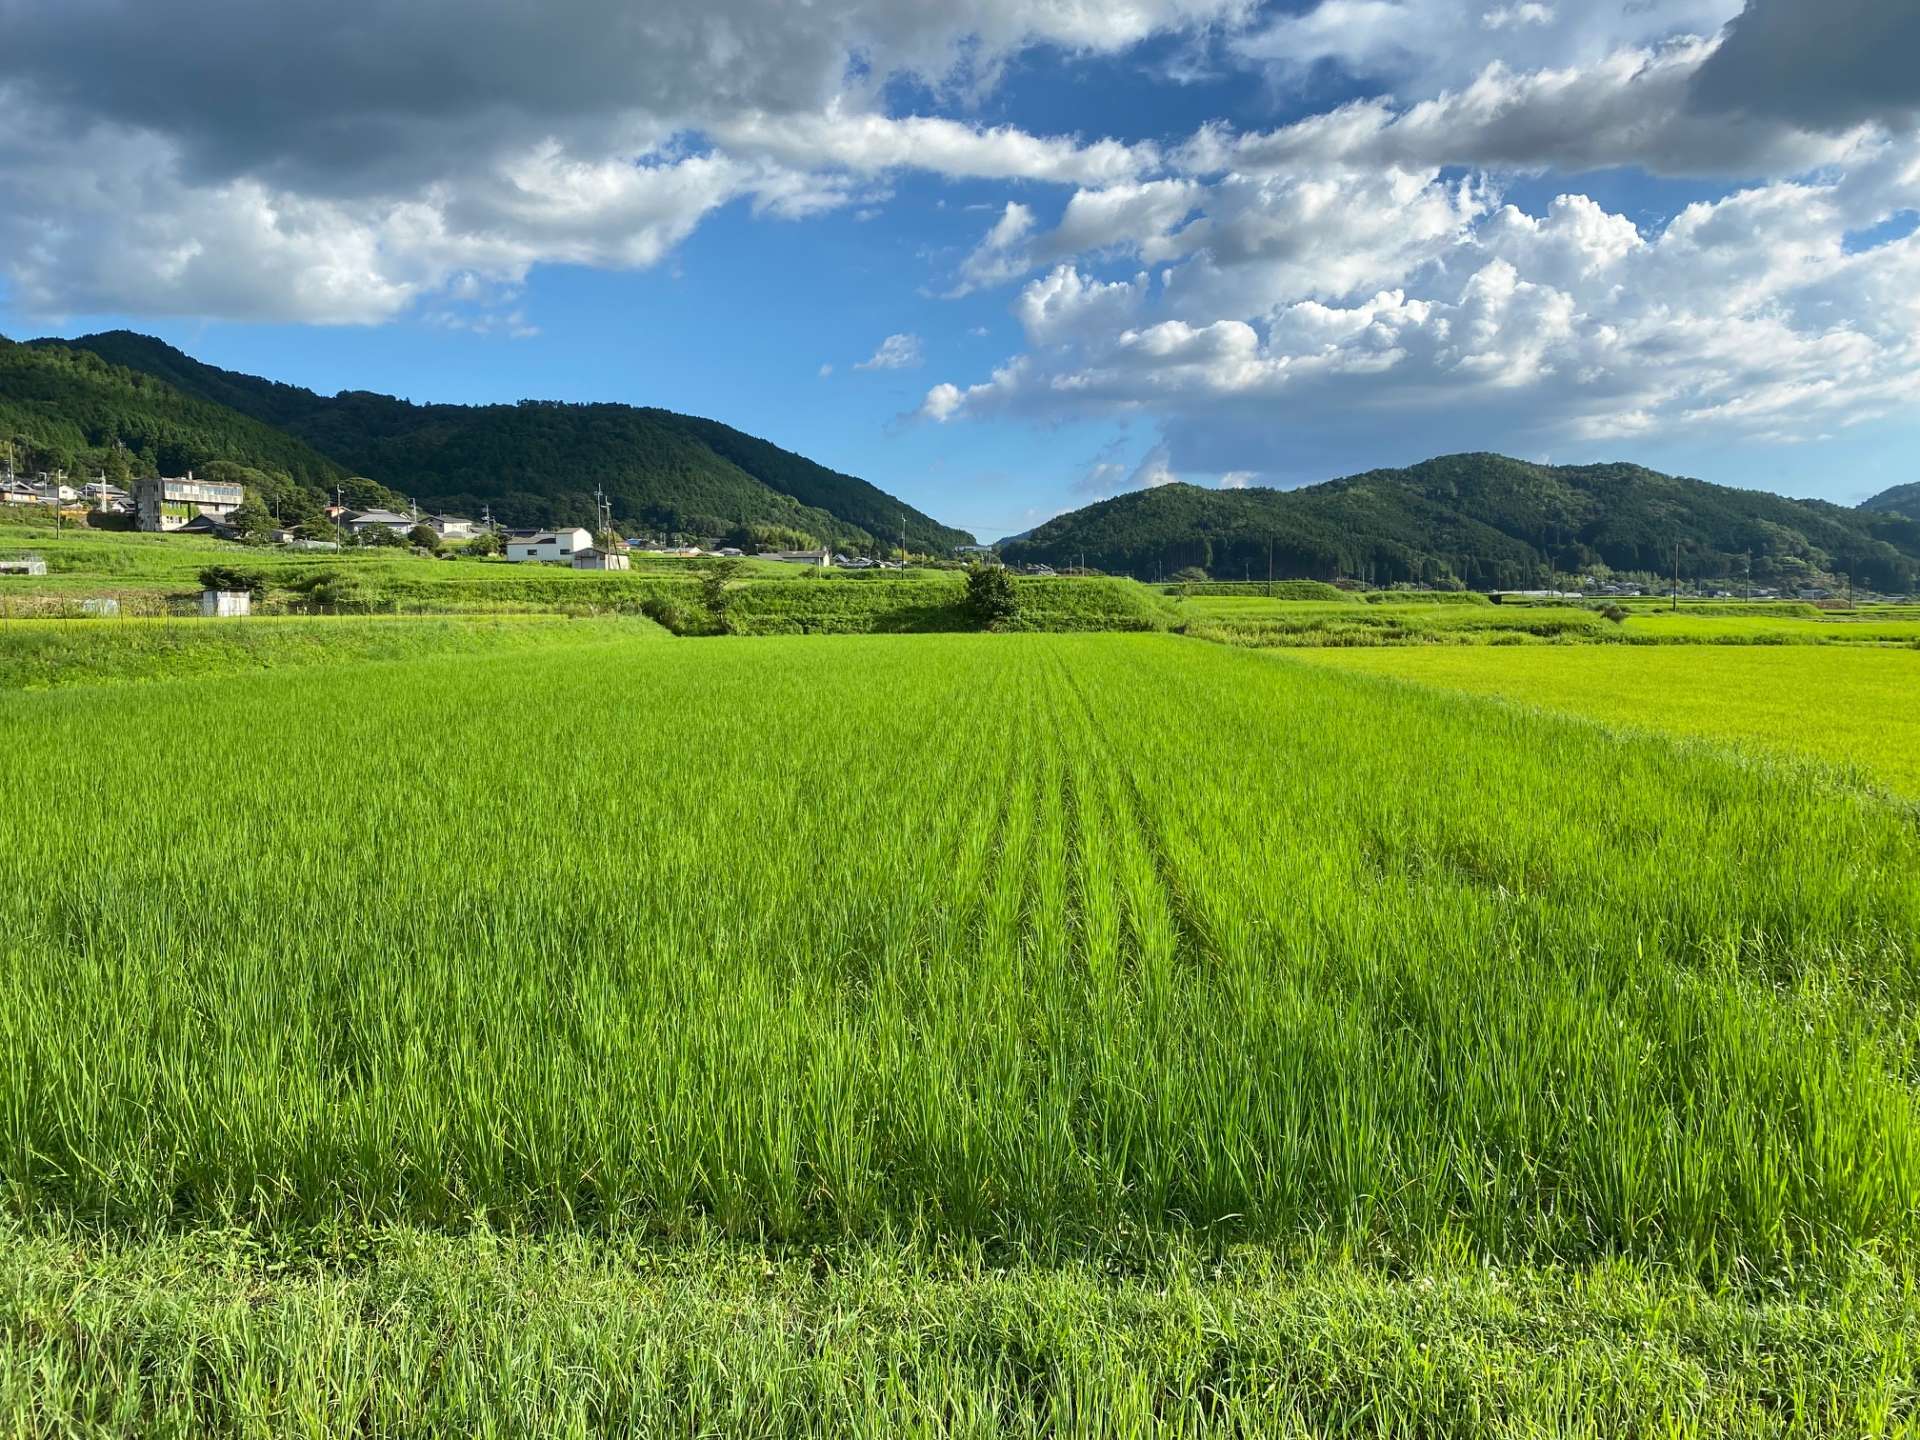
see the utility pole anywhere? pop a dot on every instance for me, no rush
(1676, 575)
(1746, 584)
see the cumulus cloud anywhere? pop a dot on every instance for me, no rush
(341, 162)
(1628, 107)
(1751, 316)
(896, 352)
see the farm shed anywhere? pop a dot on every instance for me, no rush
(23, 565)
(225, 602)
(593, 559)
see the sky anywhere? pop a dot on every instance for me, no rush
(1006, 257)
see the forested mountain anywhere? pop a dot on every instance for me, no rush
(538, 462)
(67, 409)
(1485, 521)
(1900, 500)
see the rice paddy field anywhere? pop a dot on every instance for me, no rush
(1413, 619)
(1033, 1034)
(1851, 708)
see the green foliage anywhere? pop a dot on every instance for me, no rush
(332, 591)
(233, 579)
(1484, 521)
(991, 600)
(716, 581)
(489, 1334)
(381, 536)
(425, 537)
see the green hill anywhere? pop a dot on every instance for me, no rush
(1485, 521)
(1900, 500)
(538, 462)
(68, 409)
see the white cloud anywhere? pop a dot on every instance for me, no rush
(943, 402)
(1506, 17)
(896, 352)
(1152, 471)
(1420, 46)
(142, 171)
(1238, 479)
(1745, 317)
(826, 370)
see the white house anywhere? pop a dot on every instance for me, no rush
(561, 545)
(592, 559)
(453, 527)
(359, 520)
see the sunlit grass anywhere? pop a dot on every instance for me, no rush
(1851, 707)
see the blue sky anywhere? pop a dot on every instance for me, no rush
(1183, 239)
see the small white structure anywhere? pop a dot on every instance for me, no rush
(224, 603)
(592, 559)
(453, 527)
(561, 545)
(23, 565)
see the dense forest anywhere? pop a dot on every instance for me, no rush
(69, 410)
(1481, 521)
(538, 462)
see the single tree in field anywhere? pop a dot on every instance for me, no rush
(714, 594)
(426, 537)
(991, 599)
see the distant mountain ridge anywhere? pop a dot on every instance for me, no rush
(1899, 500)
(1482, 520)
(538, 462)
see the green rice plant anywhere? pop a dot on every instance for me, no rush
(1849, 707)
(705, 935)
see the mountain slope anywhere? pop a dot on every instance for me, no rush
(65, 409)
(1482, 520)
(538, 462)
(1900, 500)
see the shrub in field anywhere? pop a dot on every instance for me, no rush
(425, 537)
(233, 579)
(990, 598)
(332, 592)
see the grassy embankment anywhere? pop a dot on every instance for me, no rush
(906, 1051)
(149, 574)
(35, 654)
